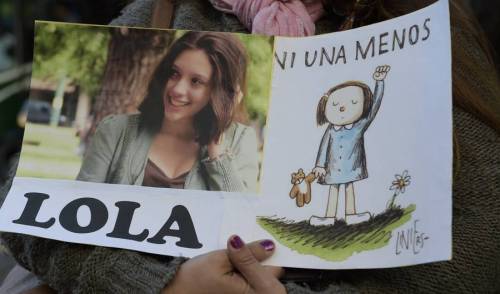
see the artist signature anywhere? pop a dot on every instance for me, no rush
(410, 239)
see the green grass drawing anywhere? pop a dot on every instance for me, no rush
(339, 241)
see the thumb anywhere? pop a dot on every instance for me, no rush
(246, 259)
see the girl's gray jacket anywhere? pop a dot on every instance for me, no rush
(118, 154)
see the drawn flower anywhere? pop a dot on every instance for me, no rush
(399, 186)
(400, 183)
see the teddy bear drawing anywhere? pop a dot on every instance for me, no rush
(298, 192)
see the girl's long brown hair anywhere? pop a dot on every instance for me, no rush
(476, 85)
(228, 58)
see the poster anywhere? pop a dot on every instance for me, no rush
(338, 146)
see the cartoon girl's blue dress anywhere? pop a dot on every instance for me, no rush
(342, 150)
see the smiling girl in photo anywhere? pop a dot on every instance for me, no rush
(188, 134)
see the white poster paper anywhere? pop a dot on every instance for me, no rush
(351, 168)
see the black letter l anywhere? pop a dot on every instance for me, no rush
(31, 210)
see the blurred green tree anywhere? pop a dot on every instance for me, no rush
(73, 51)
(111, 65)
(260, 62)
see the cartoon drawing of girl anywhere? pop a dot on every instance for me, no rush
(349, 108)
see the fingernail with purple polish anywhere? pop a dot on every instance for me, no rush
(236, 242)
(268, 245)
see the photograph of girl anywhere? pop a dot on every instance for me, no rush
(192, 129)
(187, 134)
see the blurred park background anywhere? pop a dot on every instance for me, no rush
(16, 54)
(96, 71)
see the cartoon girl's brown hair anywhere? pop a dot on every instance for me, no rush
(368, 101)
(228, 59)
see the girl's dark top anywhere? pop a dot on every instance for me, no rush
(154, 177)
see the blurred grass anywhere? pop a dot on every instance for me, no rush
(49, 152)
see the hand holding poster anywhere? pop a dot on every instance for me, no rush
(329, 158)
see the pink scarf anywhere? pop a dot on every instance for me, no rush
(292, 18)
